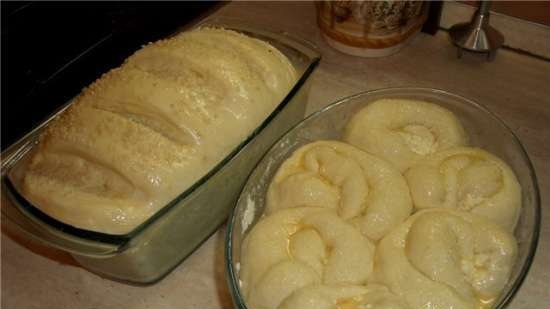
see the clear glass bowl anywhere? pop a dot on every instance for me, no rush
(159, 244)
(484, 129)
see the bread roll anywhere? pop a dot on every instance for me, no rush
(404, 131)
(372, 296)
(363, 189)
(144, 132)
(442, 258)
(296, 247)
(469, 179)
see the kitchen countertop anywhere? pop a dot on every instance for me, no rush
(516, 87)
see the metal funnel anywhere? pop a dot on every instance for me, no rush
(477, 35)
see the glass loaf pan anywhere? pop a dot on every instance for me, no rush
(154, 248)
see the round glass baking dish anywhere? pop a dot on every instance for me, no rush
(485, 130)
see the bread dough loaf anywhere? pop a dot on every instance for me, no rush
(404, 131)
(144, 132)
(441, 258)
(362, 188)
(469, 179)
(297, 247)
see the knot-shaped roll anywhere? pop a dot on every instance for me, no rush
(469, 179)
(372, 296)
(443, 258)
(364, 189)
(296, 247)
(404, 131)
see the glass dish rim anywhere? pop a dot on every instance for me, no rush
(233, 279)
(307, 49)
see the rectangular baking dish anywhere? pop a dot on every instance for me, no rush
(154, 248)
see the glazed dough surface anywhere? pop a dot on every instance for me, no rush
(362, 188)
(443, 258)
(144, 132)
(469, 179)
(404, 131)
(297, 247)
(455, 249)
(372, 296)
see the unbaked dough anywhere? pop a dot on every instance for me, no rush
(442, 258)
(362, 188)
(146, 131)
(404, 131)
(469, 179)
